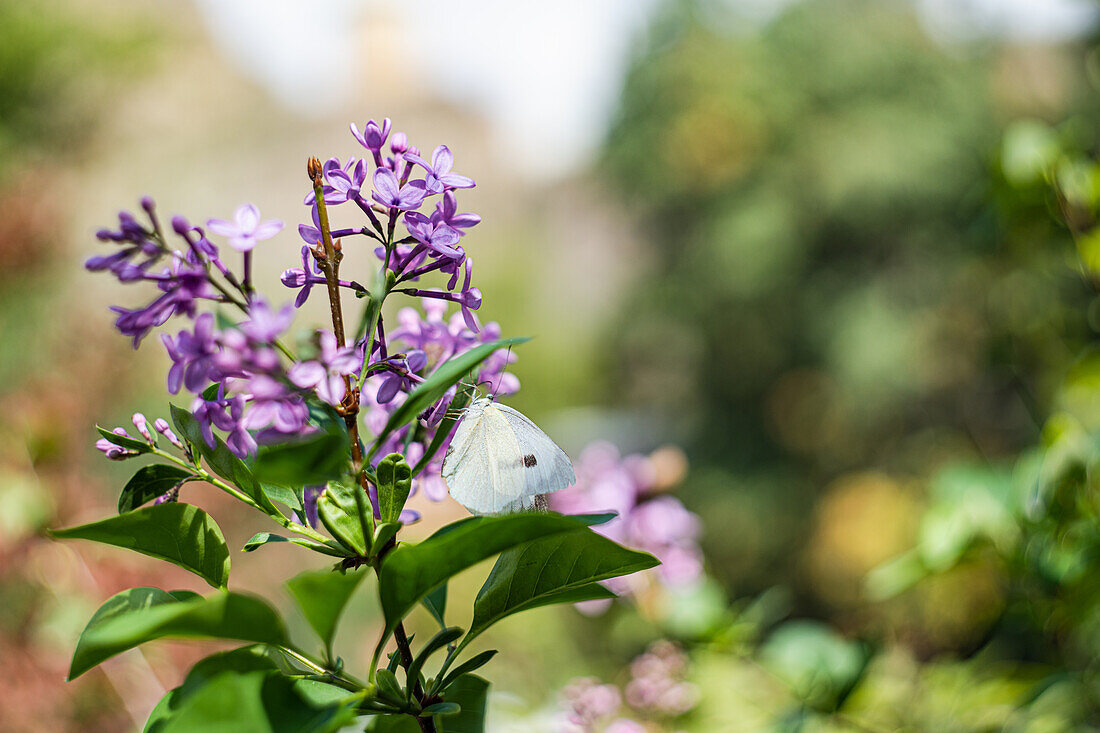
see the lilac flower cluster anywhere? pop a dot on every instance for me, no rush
(432, 238)
(647, 519)
(244, 381)
(657, 690)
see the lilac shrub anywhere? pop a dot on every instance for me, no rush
(328, 440)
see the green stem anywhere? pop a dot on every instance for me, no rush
(236, 493)
(343, 679)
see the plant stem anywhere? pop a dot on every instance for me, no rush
(350, 411)
(236, 493)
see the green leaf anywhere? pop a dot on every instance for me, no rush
(322, 596)
(388, 686)
(434, 387)
(291, 496)
(128, 601)
(222, 615)
(261, 701)
(471, 693)
(383, 533)
(244, 659)
(562, 568)
(392, 724)
(313, 460)
(410, 572)
(436, 603)
(338, 511)
(462, 398)
(122, 441)
(394, 485)
(179, 533)
(221, 460)
(475, 662)
(148, 483)
(441, 708)
(266, 538)
(437, 642)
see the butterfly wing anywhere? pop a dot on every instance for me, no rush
(481, 468)
(546, 468)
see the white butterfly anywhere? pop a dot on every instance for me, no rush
(499, 461)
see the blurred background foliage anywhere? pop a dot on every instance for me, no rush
(860, 291)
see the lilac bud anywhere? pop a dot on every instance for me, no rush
(161, 426)
(112, 451)
(180, 225)
(413, 150)
(399, 143)
(142, 426)
(148, 204)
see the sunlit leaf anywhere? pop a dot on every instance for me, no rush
(222, 615)
(322, 596)
(180, 533)
(148, 483)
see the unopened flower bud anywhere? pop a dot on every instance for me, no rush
(180, 225)
(399, 143)
(142, 426)
(161, 426)
(112, 451)
(148, 204)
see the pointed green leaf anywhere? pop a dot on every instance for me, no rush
(260, 701)
(471, 693)
(436, 603)
(388, 686)
(441, 708)
(475, 662)
(148, 483)
(222, 615)
(383, 533)
(221, 460)
(291, 496)
(310, 461)
(392, 724)
(266, 538)
(434, 387)
(437, 642)
(339, 512)
(179, 533)
(244, 659)
(562, 568)
(443, 431)
(122, 441)
(410, 572)
(322, 596)
(394, 485)
(128, 601)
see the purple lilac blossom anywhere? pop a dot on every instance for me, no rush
(326, 374)
(439, 176)
(373, 136)
(246, 230)
(389, 192)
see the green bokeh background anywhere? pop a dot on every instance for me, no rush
(823, 255)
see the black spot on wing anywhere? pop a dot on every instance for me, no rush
(529, 460)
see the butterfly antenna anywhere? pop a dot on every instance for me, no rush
(493, 396)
